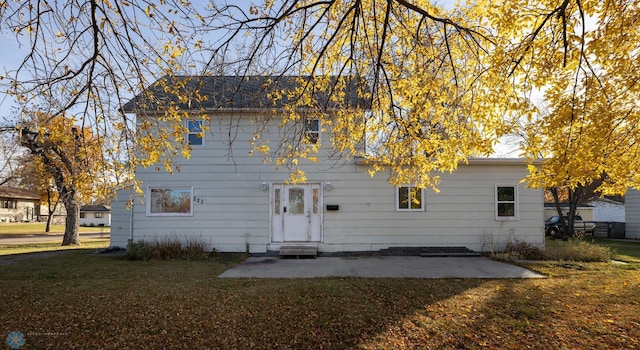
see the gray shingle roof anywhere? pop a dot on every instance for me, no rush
(231, 92)
(18, 193)
(94, 207)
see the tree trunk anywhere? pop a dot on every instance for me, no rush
(556, 199)
(48, 227)
(72, 221)
(50, 211)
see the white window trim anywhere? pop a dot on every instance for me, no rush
(193, 133)
(423, 203)
(148, 200)
(516, 203)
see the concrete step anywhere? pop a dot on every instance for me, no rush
(298, 251)
(429, 251)
(447, 251)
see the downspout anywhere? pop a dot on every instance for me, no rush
(130, 241)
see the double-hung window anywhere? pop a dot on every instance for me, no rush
(409, 198)
(506, 202)
(312, 130)
(194, 133)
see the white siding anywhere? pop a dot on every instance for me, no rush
(231, 211)
(604, 210)
(632, 214)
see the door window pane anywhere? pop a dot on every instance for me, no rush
(296, 201)
(276, 202)
(315, 201)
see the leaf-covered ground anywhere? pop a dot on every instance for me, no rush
(77, 300)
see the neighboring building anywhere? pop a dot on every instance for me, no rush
(242, 204)
(586, 211)
(95, 215)
(607, 210)
(18, 205)
(632, 214)
(58, 217)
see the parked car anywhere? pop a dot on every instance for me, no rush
(553, 226)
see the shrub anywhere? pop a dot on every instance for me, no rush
(168, 249)
(578, 250)
(139, 251)
(575, 250)
(520, 250)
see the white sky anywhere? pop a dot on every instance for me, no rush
(11, 56)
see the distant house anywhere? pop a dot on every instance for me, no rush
(584, 210)
(58, 216)
(607, 210)
(95, 215)
(18, 205)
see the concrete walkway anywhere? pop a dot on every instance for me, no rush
(378, 267)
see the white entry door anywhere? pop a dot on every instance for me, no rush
(296, 213)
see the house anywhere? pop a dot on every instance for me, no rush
(607, 210)
(58, 217)
(238, 204)
(18, 205)
(586, 211)
(95, 215)
(632, 214)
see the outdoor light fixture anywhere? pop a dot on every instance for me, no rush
(327, 186)
(264, 186)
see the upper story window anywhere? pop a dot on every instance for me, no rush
(312, 130)
(195, 135)
(506, 202)
(409, 198)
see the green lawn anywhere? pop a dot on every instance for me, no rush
(80, 300)
(89, 243)
(11, 229)
(622, 250)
